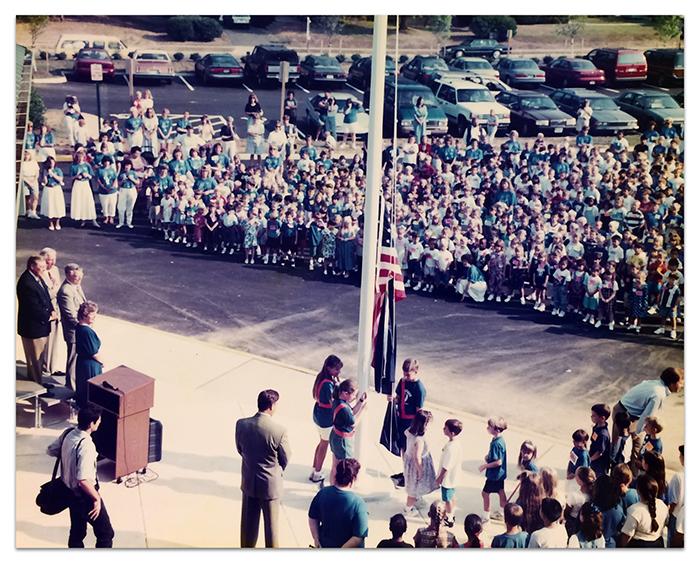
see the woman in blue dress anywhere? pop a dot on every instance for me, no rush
(350, 120)
(89, 363)
(322, 392)
(345, 250)
(134, 129)
(420, 116)
(344, 417)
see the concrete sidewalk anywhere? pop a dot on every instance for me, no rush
(192, 497)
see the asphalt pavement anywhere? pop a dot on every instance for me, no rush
(481, 358)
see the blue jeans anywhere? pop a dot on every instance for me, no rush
(560, 298)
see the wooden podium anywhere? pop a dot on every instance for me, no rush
(124, 432)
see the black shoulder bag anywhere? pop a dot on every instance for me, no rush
(54, 497)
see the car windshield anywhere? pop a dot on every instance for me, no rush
(434, 64)
(152, 57)
(407, 98)
(475, 96)
(99, 55)
(582, 65)
(679, 60)
(631, 59)
(223, 60)
(327, 62)
(536, 102)
(660, 102)
(520, 65)
(481, 65)
(602, 103)
(289, 56)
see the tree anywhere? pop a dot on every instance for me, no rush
(330, 25)
(36, 25)
(669, 27)
(572, 28)
(483, 26)
(37, 109)
(440, 25)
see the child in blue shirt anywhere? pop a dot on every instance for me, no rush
(514, 535)
(527, 457)
(600, 439)
(652, 443)
(579, 454)
(495, 466)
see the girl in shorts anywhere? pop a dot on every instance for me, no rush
(322, 392)
(344, 417)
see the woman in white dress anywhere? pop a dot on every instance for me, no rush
(206, 132)
(255, 143)
(150, 135)
(30, 186)
(82, 200)
(71, 111)
(53, 202)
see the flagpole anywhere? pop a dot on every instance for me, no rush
(371, 228)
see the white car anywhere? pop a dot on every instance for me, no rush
(474, 65)
(154, 65)
(314, 119)
(462, 99)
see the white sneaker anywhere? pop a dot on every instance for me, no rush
(417, 286)
(410, 511)
(194, 245)
(223, 250)
(189, 245)
(561, 313)
(660, 330)
(507, 299)
(631, 327)
(522, 301)
(246, 261)
(653, 310)
(555, 312)
(311, 265)
(537, 306)
(317, 477)
(597, 324)
(230, 252)
(490, 297)
(266, 258)
(498, 298)
(485, 519)
(673, 335)
(531, 297)
(425, 287)
(325, 272)
(543, 307)
(274, 258)
(432, 287)
(585, 319)
(591, 320)
(407, 284)
(121, 225)
(611, 326)
(497, 515)
(252, 260)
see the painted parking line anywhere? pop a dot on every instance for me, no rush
(185, 82)
(611, 90)
(246, 87)
(126, 79)
(356, 89)
(658, 88)
(301, 87)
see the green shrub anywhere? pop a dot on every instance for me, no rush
(178, 56)
(43, 55)
(356, 57)
(340, 57)
(181, 28)
(116, 57)
(206, 29)
(37, 108)
(61, 56)
(403, 59)
(548, 59)
(536, 59)
(484, 26)
(531, 20)
(194, 57)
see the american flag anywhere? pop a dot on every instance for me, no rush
(389, 289)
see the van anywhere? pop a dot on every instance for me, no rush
(71, 43)
(619, 65)
(665, 66)
(408, 92)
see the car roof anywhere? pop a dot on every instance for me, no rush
(645, 93)
(472, 59)
(528, 94)
(517, 59)
(582, 92)
(157, 51)
(93, 49)
(406, 83)
(462, 83)
(617, 50)
(664, 50)
(274, 47)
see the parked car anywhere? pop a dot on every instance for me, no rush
(519, 72)
(421, 68)
(71, 43)
(321, 69)
(607, 116)
(680, 98)
(532, 112)
(313, 116)
(619, 65)
(462, 100)
(474, 65)
(407, 92)
(665, 66)
(153, 65)
(242, 21)
(263, 64)
(646, 105)
(88, 57)
(360, 72)
(473, 47)
(567, 72)
(218, 67)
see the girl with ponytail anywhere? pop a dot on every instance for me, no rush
(343, 431)
(436, 534)
(646, 519)
(322, 392)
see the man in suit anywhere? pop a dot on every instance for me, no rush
(70, 298)
(263, 446)
(34, 314)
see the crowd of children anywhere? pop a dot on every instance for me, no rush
(591, 231)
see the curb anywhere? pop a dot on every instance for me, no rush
(56, 80)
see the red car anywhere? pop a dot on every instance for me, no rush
(573, 72)
(87, 57)
(620, 65)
